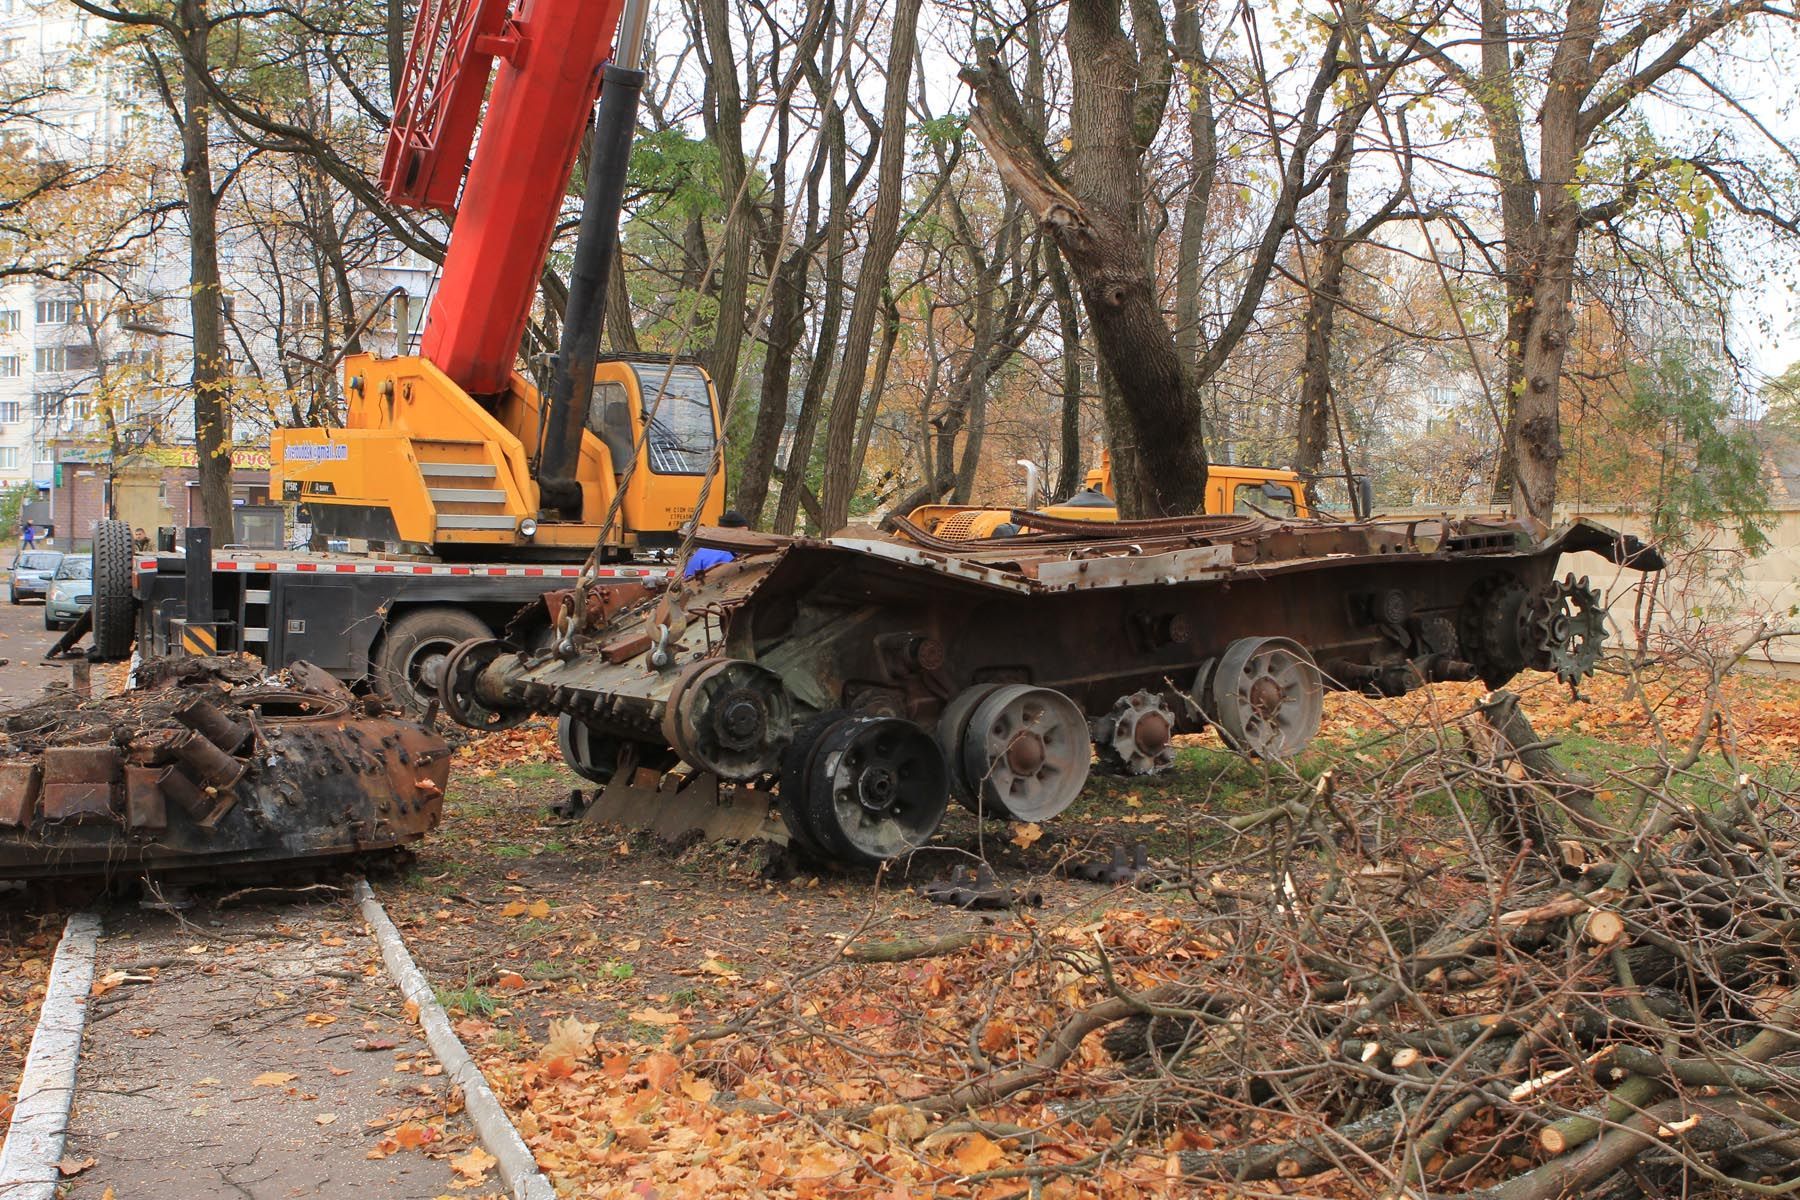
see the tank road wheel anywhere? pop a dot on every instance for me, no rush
(953, 727)
(730, 717)
(1134, 738)
(796, 762)
(456, 685)
(1267, 697)
(876, 788)
(112, 591)
(593, 754)
(410, 663)
(1026, 753)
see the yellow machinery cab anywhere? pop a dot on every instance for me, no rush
(421, 467)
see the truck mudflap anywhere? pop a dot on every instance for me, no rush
(211, 768)
(874, 677)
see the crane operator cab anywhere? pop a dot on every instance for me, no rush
(422, 468)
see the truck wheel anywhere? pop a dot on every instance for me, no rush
(411, 658)
(113, 602)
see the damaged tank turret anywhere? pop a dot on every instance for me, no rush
(210, 769)
(853, 684)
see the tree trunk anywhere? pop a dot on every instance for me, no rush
(396, 45)
(1312, 437)
(787, 325)
(837, 222)
(884, 358)
(726, 126)
(1071, 469)
(1536, 425)
(882, 242)
(1159, 449)
(1203, 150)
(211, 368)
(621, 333)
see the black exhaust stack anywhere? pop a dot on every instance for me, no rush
(596, 244)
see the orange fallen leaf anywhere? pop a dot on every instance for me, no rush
(660, 1069)
(412, 1135)
(320, 1018)
(978, 1153)
(273, 1079)
(474, 1165)
(655, 1016)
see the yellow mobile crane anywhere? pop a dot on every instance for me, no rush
(450, 452)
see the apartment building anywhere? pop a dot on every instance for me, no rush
(96, 365)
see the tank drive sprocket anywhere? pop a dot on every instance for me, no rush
(1568, 628)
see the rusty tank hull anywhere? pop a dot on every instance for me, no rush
(858, 681)
(199, 778)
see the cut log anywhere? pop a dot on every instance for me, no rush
(1603, 927)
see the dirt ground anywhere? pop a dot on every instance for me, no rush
(676, 1020)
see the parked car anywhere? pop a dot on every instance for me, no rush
(71, 592)
(31, 572)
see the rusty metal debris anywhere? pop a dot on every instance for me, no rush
(874, 677)
(213, 767)
(974, 886)
(1124, 863)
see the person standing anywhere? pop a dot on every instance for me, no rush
(28, 536)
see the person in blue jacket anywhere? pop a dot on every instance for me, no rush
(706, 557)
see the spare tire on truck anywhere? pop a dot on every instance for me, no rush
(114, 604)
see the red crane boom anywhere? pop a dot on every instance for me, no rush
(548, 55)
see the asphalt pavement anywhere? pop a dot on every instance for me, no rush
(23, 640)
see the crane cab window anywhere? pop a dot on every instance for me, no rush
(678, 412)
(1257, 499)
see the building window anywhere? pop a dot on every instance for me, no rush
(58, 312)
(9, 366)
(80, 409)
(50, 358)
(11, 48)
(9, 458)
(228, 304)
(46, 405)
(10, 412)
(308, 314)
(9, 320)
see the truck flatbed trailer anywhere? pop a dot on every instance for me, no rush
(383, 622)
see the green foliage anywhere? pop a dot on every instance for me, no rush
(677, 171)
(943, 132)
(468, 999)
(12, 503)
(1708, 470)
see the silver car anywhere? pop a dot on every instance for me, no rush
(71, 592)
(31, 572)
